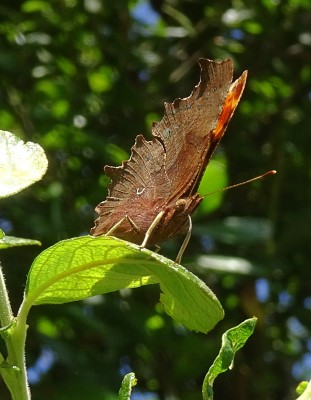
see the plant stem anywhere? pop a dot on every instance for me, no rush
(13, 369)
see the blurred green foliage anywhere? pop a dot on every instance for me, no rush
(83, 78)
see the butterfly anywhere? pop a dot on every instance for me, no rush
(153, 194)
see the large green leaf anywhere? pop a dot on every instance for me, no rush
(21, 164)
(81, 267)
(232, 341)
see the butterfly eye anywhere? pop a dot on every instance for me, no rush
(181, 202)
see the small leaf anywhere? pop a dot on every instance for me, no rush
(226, 264)
(34, 6)
(12, 241)
(6, 365)
(6, 330)
(232, 340)
(302, 386)
(21, 164)
(214, 179)
(82, 267)
(236, 230)
(101, 80)
(126, 387)
(306, 395)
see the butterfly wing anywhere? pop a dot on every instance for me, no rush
(137, 190)
(190, 127)
(162, 175)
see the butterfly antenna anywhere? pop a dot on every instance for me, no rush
(272, 172)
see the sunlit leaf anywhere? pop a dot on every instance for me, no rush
(214, 178)
(21, 164)
(126, 387)
(232, 341)
(252, 27)
(60, 108)
(306, 395)
(116, 153)
(302, 386)
(82, 267)
(34, 6)
(11, 241)
(101, 80)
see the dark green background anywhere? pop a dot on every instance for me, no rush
(83, 79)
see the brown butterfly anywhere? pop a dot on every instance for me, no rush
(153, 194)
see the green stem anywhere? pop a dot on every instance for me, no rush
(18, 383)
(13, 369)
(6, 315)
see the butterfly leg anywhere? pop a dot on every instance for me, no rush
(157, 248)
(115, 226)
(151, 228)
(185, 242)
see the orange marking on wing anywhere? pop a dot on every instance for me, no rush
(231, 102)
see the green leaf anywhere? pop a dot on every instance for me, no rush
(181, 18)
(126, 387)
(232, 340)
(5, 330)
(116, 153)
(227, 264)
(215, 178)
(12, 241)
(306, 395)
(6, 365)
(101, 80)
(238, 230)
(301, 387)
(34, 6)
(86, 266)
(21, 164)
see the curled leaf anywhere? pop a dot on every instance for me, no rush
(232, 341)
